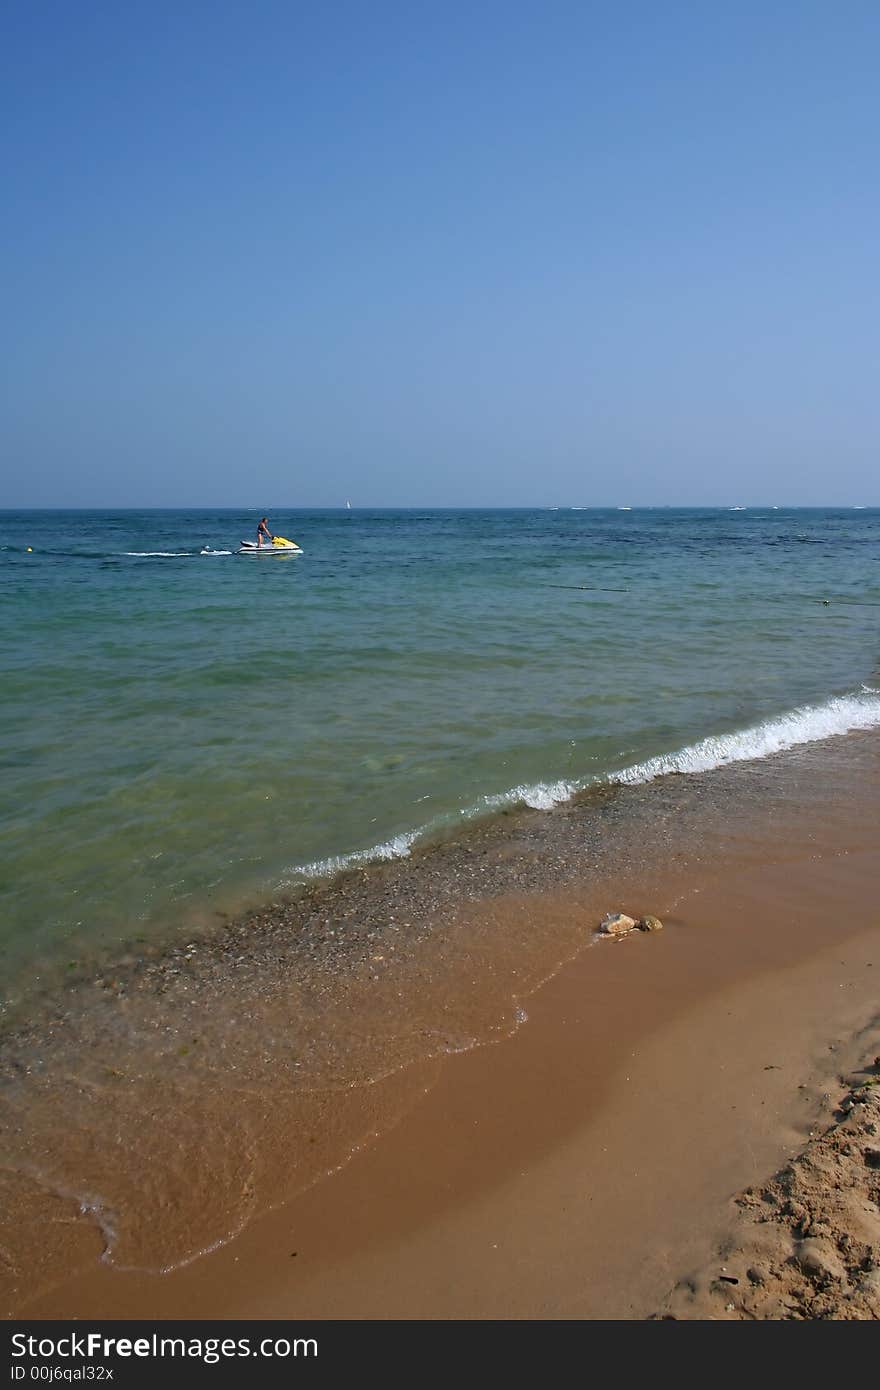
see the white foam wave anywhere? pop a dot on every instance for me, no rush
(541, 796)
(396, 848)
(208, 551)
(807, 724)
(158, 554)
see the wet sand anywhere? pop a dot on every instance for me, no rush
(580, 1162)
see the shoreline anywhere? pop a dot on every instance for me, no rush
(316, 888)
(601, 1176)
(525, 899)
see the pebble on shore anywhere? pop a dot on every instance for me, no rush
(650, 924)
(618, 924)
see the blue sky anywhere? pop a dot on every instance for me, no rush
(273, 254)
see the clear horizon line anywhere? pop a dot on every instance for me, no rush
(452, 506)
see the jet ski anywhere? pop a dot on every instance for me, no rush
(279, 545)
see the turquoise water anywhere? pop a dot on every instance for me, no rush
(184, 731)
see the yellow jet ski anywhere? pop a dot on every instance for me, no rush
(278, 546)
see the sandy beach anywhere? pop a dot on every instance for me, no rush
(586, 1151)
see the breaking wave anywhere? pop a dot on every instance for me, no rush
(807, 724)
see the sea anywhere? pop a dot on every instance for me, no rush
(186, 731)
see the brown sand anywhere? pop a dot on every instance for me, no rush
(804, 1245)
(582, 1166)
(347, 1080)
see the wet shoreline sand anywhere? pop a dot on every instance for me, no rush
(764, 875)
